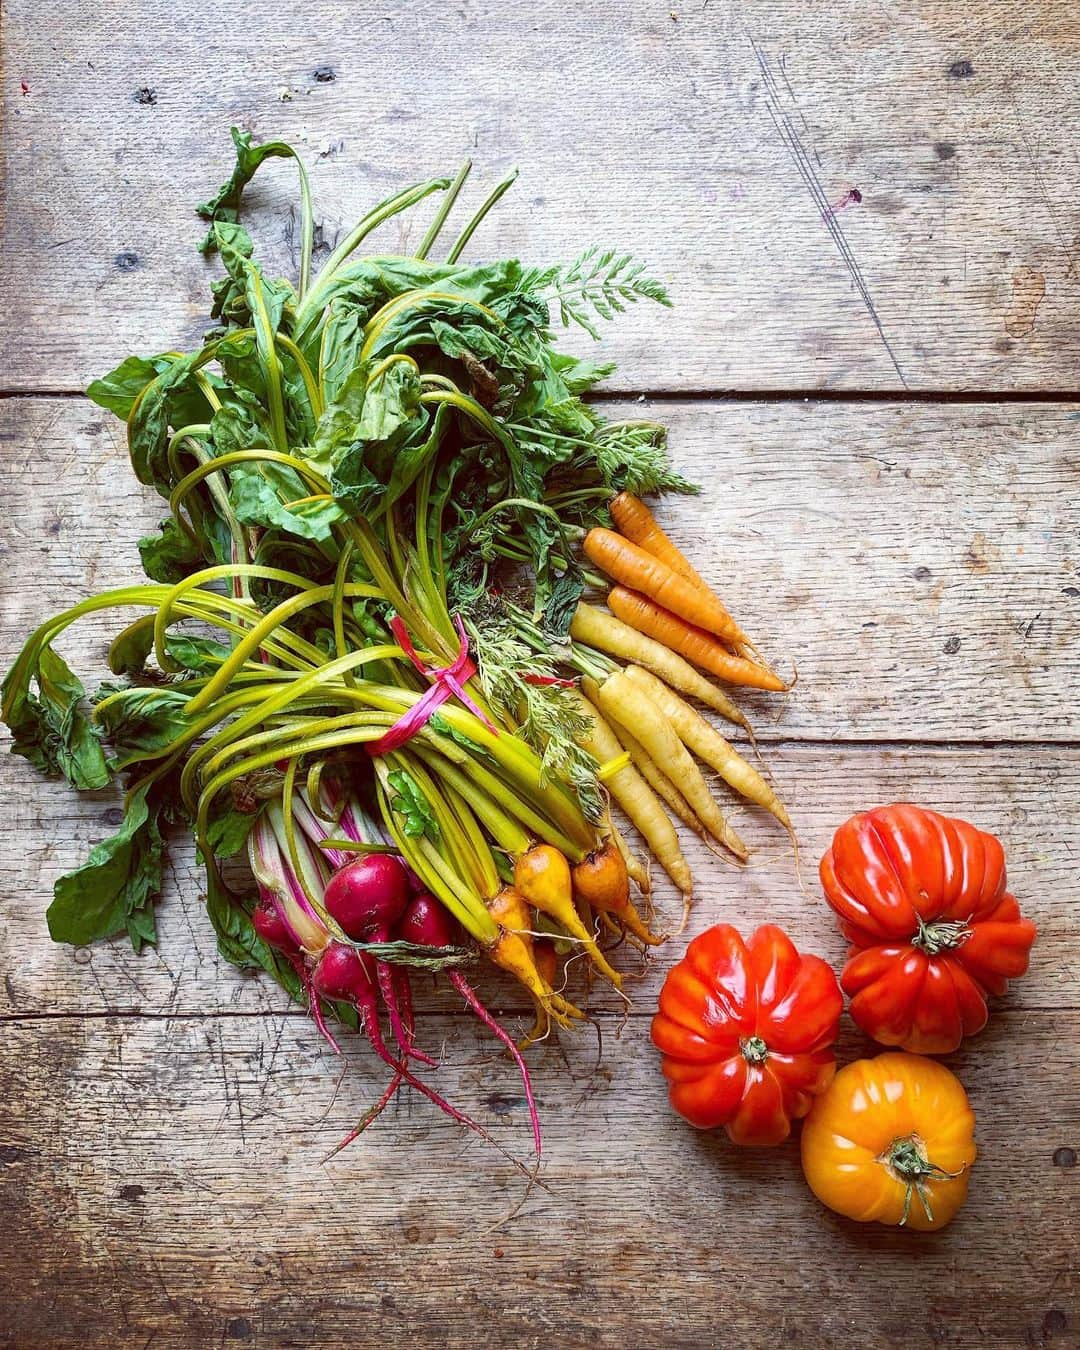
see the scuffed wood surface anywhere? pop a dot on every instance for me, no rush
(917, 564)
(163, 1119)
(677, 131)
(167, 1186)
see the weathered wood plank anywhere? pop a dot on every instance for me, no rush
(676, 133)
(1027, 797)
(918, 565)
(166, 1178)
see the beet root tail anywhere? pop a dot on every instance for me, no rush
(396, 998)
(465, 990)
(314, 1006)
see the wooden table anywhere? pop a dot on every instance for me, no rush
(880, 398)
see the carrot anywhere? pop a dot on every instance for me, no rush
(637, 873)
(601, 881)
(597, 628)
(660, 783)
(542, 876)
(707, 743)
(623, 701)
(639, 802)
(547, 964)
(636, 522)
(632, 566)
(513, 950)
(649, 618)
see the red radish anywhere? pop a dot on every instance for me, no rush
(268, 922)
(366, 898)
(271, 927)
(428, 924)
(344, 973)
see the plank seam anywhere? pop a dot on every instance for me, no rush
(771, 395)
(613, 1015)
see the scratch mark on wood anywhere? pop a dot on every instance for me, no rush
(790, 136)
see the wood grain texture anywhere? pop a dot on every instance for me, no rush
(711, 139)
(224, 1225)
(163, 1119)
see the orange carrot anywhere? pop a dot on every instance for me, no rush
(700, 648)
(636, 522)
(630, 565)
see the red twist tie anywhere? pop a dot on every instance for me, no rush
(550, 681)
(447, 681)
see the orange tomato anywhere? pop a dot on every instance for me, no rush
(891, 1141)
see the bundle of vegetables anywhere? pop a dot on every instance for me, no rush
(364, 626)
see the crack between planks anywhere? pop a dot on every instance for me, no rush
(905, 743)
(764, 395)
(220, 1014)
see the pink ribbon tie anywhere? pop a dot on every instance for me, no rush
(446, 681)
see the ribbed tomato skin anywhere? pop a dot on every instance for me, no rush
(745, 1030)
(896, 876)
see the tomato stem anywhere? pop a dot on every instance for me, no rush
(933, 938)
(754, 1050)
(906, 1159)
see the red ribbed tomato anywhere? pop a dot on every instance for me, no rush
(922, 898)
(745, 1029)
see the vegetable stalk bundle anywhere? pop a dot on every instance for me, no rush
(363, 615)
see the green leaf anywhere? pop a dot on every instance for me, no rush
(225, 203)
(562, 602)
(442, 727)
(172, 398)
(470, 338)
(129, 649)
(261, 494)
(201, 656)
(339, 351)
(600, 281)
(410, 459)
(391, 401)
(236, 425)
(143, 722)
(580, 376)
(227, 833)
(114, 890)
(412, 806)
(170, 556)
(354, 485)
(633, 458)
(118, 390)
(48, 727)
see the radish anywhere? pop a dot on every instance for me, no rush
(272, 928)
(427, 923)
(367, 898)
(271, 925)
(345, 974)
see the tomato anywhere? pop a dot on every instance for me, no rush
(745, 1030)
(891, 1141)
(922, 900)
